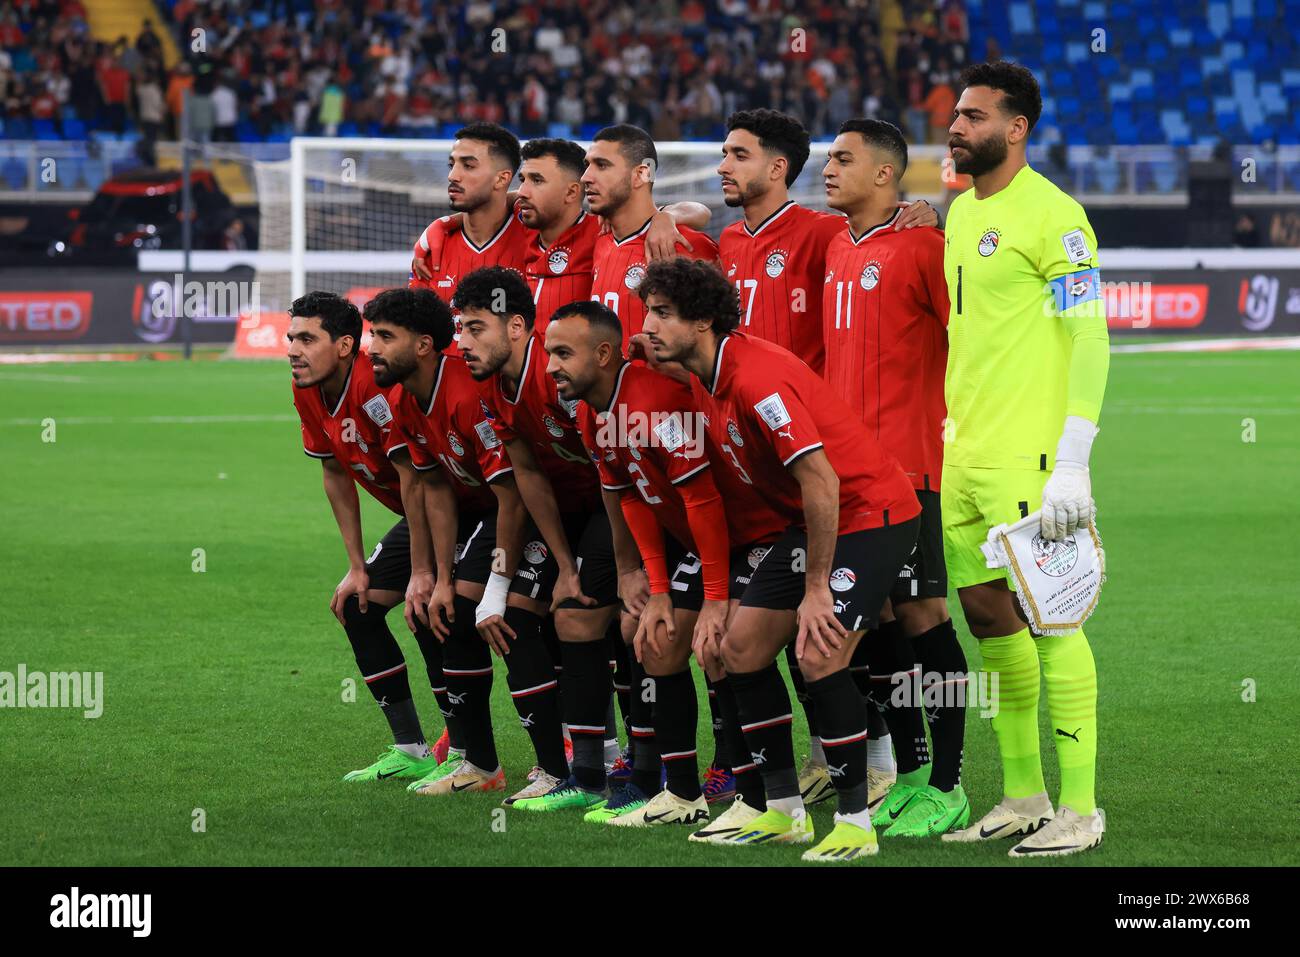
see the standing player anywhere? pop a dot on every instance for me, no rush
(619, 185)
(549, 201)
(853, 522)
(885, 322)
(574, 566)
(441, 410)
(776, 256)
(1027, 364)
(347, 423)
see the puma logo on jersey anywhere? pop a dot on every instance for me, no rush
(786, 434)
(837, 772)
(760, 757)
(457, 698)
(526, 722)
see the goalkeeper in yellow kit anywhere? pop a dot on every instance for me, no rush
(1027, 361)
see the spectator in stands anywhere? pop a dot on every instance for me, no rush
(149, 111)
(225, 112)
(114, 87)
(182, 79)
(332, 103)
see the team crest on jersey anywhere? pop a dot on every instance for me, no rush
(989, 242)
(734, 432)
(842, 579)
(557, 260)
(870, 275)
(635, 273)
(535, 553)
(775, 264)
(454, 441)
(756, 555)
(553, 427)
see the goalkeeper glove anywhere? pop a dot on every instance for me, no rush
(1067, 497)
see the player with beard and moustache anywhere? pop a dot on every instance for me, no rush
(852, 520)
(347, 423)
(575, 566)
(1028, 357)
(549, 201)
(646, 436)
(440, 408)
(776, 256)
(885, 320)
(619, 184)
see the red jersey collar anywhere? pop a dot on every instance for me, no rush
(767, 222)
(879, 227)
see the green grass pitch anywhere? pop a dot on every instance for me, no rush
(223, 688)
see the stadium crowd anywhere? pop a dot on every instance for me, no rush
(678, 68)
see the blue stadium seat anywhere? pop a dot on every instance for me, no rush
(73, 129)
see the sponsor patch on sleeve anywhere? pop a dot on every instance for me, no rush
(1076, 246)
(772, 409)
(487, 435)
(670, 433)
(378, 410)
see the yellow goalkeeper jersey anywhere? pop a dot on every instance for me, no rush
(1023, 280)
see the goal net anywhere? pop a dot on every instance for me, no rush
(344, 213)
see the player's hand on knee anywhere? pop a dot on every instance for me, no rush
(418, 592)
(710, 625)
(497, 634)
(1067, 502)
(442, 609)
(658, 613)
(355, 582)
(819, 629)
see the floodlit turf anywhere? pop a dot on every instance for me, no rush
(224, 688)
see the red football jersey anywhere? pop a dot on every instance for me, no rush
(885, 317)
(766, 408)
(652, 437)
(359, 431)
(534, 413)
(508, 247)
(453, 430)
(561, 273)
(619, 267)
(778, 270)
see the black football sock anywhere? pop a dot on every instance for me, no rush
(721, 756)
(676, 713)
(431, 649)
(535, 691)
(647, 769)
(467, 663)
(749, 783)
(801, 690)
(584, 695)
(861, 671)
(843, 716)
(765, 720)
(379, 658)
(939, 653)
(892, 666)
(622, 671)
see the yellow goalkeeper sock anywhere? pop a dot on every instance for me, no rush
(1071, 677)
(1014, 660)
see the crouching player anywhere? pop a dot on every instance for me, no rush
(347, 423)
(441, 408)
(852, 519)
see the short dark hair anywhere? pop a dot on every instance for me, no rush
(882, 136)
(422, 311)
(337, 316)
(1021, 94)
(696, 288)
(483, 289)
(502, 144)
(634, 143)
(778, 133)
(596, 313)
(568, 154)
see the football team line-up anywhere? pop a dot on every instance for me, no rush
(614, 446)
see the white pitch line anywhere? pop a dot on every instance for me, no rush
(150, 419)
(1116, 409)
(40, 377)
(1211, 345)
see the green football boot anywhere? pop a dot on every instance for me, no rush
(394, 763)
(932, 812)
